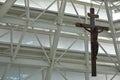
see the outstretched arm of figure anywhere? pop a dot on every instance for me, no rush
(85, 28)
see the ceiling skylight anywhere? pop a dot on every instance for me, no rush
(2, 0)
(85, 1)
(97, 2)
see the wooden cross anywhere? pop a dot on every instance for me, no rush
(94, 30)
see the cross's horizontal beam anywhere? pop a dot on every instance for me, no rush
(89, 26)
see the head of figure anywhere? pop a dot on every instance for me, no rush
(95, 28)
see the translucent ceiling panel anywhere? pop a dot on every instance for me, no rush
(53, 7)
(57, 76)
(2, 70)
(4, 35)
(108, 47)
(75, 75)
(88, 1)
(102, 14)
(2, 0)
(20, 2)
(39, 4)
(24, 73)
(29, 38)
(64, 43)
(116, 15)
(116, 10)
(70, 9)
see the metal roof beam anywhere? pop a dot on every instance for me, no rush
(24, 30)
(6, 6)
(46, 25)
(63, 66)
(56, 40)
(112, 30)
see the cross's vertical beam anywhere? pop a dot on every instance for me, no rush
(92, 19)
(93, 40)
(93, 61)
(55, 40)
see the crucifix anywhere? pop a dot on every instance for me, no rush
(94, 30)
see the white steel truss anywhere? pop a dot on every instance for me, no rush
(53, 58)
